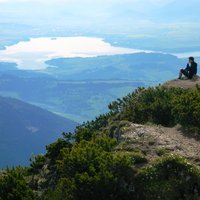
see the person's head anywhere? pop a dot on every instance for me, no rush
(191, 59)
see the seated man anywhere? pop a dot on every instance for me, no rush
(190, 70)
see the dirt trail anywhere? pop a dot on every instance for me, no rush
(155, 140)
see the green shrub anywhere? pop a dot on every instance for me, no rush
(160, 105)
(170, 178)
(94, 171)
(65, 190)
(13, 185)
(136, 157)
(53, 150)
(147, 105)
(37, 162)
(186, 109)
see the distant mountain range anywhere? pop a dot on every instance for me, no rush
(81, 88)
(139, 66)
(78, 89)
(25, 129)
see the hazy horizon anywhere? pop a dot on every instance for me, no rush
(173, 25)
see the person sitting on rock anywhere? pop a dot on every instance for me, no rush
(190, 70)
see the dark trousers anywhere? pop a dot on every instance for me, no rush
(184, 72)
(187, 73)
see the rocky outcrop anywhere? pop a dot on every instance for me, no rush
(155, 141)
(183, 83)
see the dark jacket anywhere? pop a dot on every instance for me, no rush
(192, 70)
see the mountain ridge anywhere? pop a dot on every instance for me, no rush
(25, 129)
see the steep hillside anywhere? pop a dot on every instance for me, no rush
(145, 148)
(26, 129)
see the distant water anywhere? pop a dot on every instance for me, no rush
(188, 54)
(32, 54)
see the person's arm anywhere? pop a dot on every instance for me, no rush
(187, 67)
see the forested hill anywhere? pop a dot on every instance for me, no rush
(26, 129)
(145, 147)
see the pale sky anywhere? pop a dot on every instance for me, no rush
(145, 10)
(151, 8)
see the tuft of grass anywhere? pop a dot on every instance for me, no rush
(136, 157)
(162, 151)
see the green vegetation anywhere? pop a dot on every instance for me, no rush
(92, 171)
(13, 185)
(162, 151)
(159, 105)
(91, 165)
(170, 178)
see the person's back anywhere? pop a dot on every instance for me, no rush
(192, 70)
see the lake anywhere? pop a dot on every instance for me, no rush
(32, 54)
